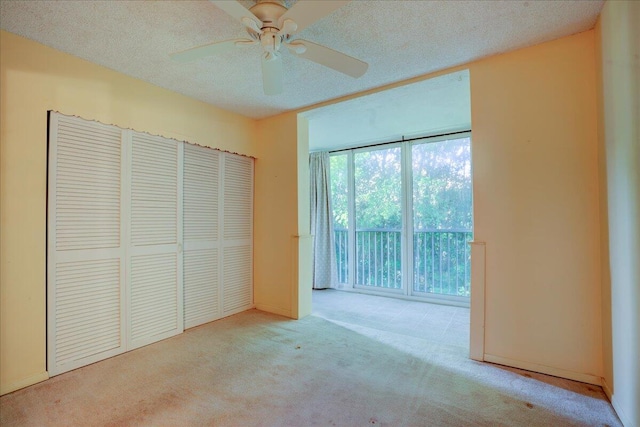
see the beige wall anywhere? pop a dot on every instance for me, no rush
(605, 272)
(282, 245)
(276, 217)
(619, 140)
(302, 306)
(536, 206)
(35, 79)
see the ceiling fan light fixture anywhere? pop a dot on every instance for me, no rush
(270, 40)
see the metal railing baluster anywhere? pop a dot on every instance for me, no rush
(379, 259)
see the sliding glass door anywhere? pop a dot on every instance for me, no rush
(378, 218)
(442, 217)
(403, 217)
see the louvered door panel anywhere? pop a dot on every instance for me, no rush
(87, 309)
(154, 302)
(201, 287)
(155, 257)
(154, 190)
(237, 224)
(201, 235)
(201, 182)
(85, 278)
(87, 185)
(237, 279)
(238, 197)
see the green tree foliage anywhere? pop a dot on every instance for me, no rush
(442, 185)
(378, 183)
(441, 180)
(339, 190)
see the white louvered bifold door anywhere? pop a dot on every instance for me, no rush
(85, 272)
(155, 304)
(201, 235)
(237, 230)
(120, 206)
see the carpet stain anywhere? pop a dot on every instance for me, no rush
(343, 363)
(11, 414)
(373, 420)
(529, 405)
(139, 412)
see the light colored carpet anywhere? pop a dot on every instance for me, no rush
(346, 365)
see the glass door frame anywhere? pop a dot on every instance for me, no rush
(407, 250)
(457, 300)
(352, 222)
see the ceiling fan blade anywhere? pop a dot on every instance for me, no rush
(306, 12)
(272, 74)
(330, 58)
(238, 11)
(208, 50)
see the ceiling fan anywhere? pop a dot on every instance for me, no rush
(270, 24)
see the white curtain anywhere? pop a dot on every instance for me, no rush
(325, 272)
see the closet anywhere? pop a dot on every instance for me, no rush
(146, 236)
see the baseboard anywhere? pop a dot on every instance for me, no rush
(275, 310)
(548, 370)
(25, 382)
(626, 420)
(607, 390)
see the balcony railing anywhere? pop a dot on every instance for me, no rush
(441, 260)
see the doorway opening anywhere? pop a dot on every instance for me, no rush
(399, 191)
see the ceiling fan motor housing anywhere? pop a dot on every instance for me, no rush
(270, 40)
(269, 12)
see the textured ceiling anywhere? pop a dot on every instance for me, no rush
(429, 107)
(399, 40)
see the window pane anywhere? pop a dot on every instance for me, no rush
(339, 205)
(442, 216)
(378, 211)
